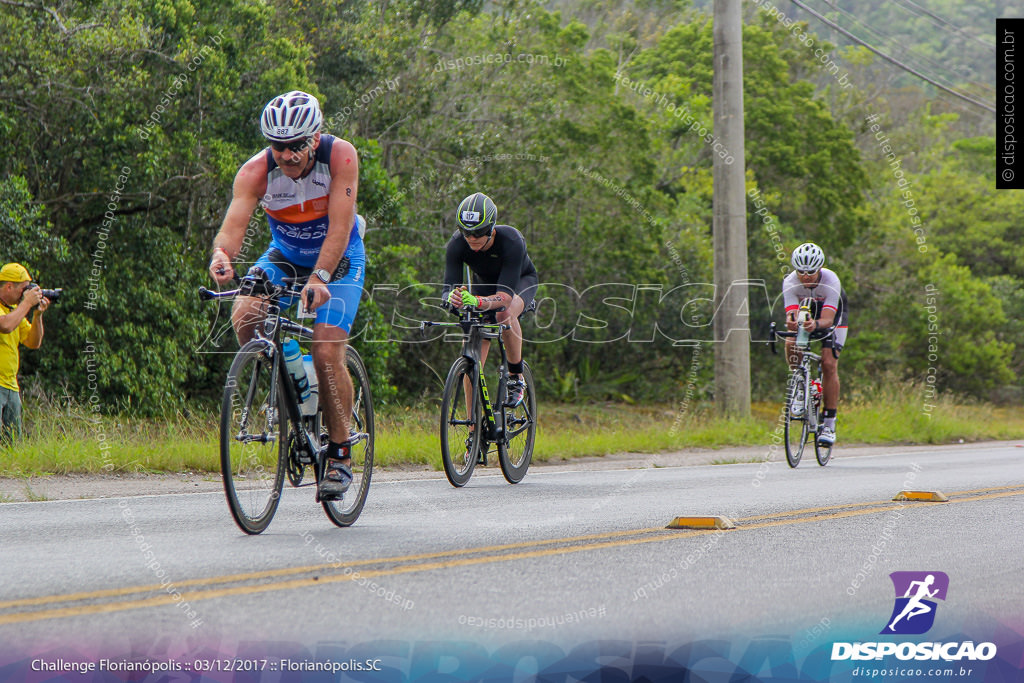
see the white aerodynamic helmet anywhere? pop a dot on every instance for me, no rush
(290, 116)
(808, 256)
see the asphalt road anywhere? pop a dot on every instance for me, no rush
(563, 558)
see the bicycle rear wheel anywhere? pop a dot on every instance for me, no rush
(460, 431)
(795, 444)
(515, 451)
(253, 449)
(346, 511)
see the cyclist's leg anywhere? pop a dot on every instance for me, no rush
(830, 384)
(830, 368)
(335, 385)
(331, 329)
(513, 336)
(521, 300)
(334, 321)
(247, 313)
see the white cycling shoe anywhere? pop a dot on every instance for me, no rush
(827, 436)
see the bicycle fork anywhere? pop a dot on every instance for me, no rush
(802, 395)
(810, 409)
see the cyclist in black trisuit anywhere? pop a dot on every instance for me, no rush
(504, 279)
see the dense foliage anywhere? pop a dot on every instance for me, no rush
(588, 123)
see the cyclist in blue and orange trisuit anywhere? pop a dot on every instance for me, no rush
(307, 182)
(810, 280)
(504, 279)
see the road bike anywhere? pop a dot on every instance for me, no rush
(267, 432)
(470, 423)
(804, 403)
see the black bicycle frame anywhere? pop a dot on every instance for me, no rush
(269, 332)
(471, 345)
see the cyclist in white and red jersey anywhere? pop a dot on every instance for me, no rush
(829, 308)
(307, 183)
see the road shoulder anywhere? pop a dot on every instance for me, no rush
(91, 486)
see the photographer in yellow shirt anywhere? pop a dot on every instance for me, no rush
(18, 296)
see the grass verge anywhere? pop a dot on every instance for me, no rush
(71, 440)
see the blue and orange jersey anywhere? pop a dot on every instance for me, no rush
(297, 209)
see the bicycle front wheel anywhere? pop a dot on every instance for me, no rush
(516, 450)
(822, 453)
(346, 511)
(796, 426)
(252, 438)
(460, 422)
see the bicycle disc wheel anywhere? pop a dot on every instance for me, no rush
(346, 511)
(460, 431)
(795, 444)
(252, 439)
(516, 450)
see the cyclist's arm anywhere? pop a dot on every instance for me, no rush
(512, 260)
(341, 204)
(498, 300)
(789, 301)
(832, 289)
(828, 317)
(453, 261)
(250, 184)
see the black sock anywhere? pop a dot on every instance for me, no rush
(515, 368)
(830, 412)
(334, 450)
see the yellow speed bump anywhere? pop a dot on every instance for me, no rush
(701, 523)
(926, 496)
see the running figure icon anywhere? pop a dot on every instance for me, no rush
(915, 606)
(913, 590)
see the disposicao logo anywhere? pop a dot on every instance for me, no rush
(913, 614)
(914, 611)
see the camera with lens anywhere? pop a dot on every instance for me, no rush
(52, 294)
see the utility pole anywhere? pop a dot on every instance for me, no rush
(729, 225)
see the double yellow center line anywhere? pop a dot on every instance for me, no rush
(137, 597)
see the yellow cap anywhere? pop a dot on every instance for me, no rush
(14, 272)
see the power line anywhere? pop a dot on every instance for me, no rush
(908, 51)
(892, 60)
(938, 21)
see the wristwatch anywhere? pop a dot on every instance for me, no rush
(324, 276)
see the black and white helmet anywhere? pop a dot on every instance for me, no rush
(291, 116)
(808, 257)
